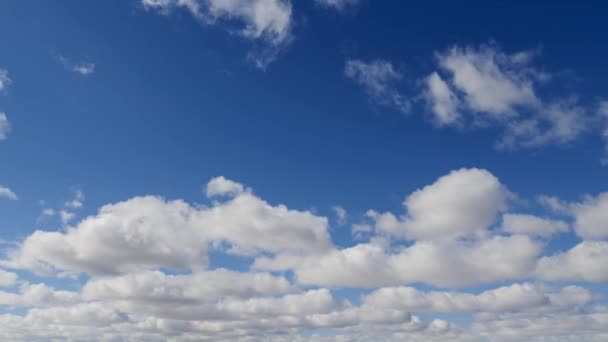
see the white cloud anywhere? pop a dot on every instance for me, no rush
(587, 261)
(39, 295)
(532, 225)
(492, 82)
(444, 103)
(5, 80)
(338, 4)
(82, 68)
(454, 263)
(268, 21)
(7, 279)
(5, 126)
(591, 217)
(511, 298)
(149, 232)
(466, 201)
(7, 193)
(220, 186)
(340, 214)
(379, 80)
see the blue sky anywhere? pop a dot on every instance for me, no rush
(347, 150)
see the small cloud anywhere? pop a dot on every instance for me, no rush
(77, 201)
(340, 214)
(7, 193)
(5, 126)
(81, 67)
(5, 81)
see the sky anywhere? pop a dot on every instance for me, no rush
(313, 170)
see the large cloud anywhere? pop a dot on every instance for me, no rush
(587, 261)
(149, 233)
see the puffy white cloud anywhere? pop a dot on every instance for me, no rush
(511, 298)
(439, 263)
(149, 232)
(39, 295)
(269, 21)
(141, 233)
(587, 261)
(591, 217)
(5, 126)
(532, 225)
(220, 186)
(465, 201)
(193, 289)
(379, 80)
(444, 103)
(7, 279)
(7, 193)
(492, 82)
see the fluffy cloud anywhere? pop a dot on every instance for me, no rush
(587, 261)
(379, 80)
(512, 298)
(7, 193)
(532, 225)
(439, 263)
(463, 202)
(5, 80)
(221, 186)
(149, 232)
(269, 21)
(5, 126)
(7, 278)
(442, 100)
(591, 217)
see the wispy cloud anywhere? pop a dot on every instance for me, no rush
(81, 67)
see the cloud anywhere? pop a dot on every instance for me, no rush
(221, 186)
(149, 232)
(587, 261)
(5, 80)
(82, 68)
(463, 202)
(7, 193)
(266, 21)
(379, 80)
(511, 298)
(341, 214)
(442, 100)
(338, 4)
(145, 271)
(5, 126)
(7, 279)
(454, 263)
(532, 225)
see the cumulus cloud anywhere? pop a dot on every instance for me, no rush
(145, 271)
(438, 263)
(465, 201)
(532, 225)
(149, 232)
(5, 126)
(221, 186)
(7, 278)
(379, 80)
(7, 193)
(442, 100)
(266, 21)
(587, 261)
